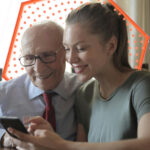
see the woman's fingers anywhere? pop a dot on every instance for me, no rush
(36, 119)
(37, 122)
(33, 126)
(21, 145)
(22, 136)
(45, 139)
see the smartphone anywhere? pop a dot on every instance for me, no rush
(12, 122)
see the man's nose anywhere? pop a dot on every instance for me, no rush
(38, 66)
(72, 57)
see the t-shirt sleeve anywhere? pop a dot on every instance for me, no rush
(141, 97)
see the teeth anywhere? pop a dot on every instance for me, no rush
(79, 69)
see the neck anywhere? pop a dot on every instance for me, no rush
(110, 80)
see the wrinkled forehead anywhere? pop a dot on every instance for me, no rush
(40, 39)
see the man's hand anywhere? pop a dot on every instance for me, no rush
(7, 140)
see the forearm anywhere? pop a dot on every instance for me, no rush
(135, 144)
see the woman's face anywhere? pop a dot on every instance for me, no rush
(84, 51)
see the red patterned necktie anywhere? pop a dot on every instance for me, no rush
(49, 113)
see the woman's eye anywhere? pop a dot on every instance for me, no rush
(81, 49)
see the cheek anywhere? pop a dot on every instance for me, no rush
(59, 67)
(30, 71)
(87, 58)
(92, 63)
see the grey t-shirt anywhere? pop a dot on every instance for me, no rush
(117, 117)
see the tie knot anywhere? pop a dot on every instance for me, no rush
(48, 96)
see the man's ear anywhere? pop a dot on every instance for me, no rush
(111, 45)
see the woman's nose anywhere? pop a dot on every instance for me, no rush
(72, 57)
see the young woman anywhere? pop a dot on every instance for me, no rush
(114, 109)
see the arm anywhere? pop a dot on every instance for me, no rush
(141, 143)
(51, 140)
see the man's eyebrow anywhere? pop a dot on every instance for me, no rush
(45, 52)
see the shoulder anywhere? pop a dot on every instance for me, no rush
(141, 93)
(13, 82)
(141, 83)
(86, 92)
(140, 78)
(135, 79)
(139, 75)
(68, 85)
(71, 81)
(14, 85)
(88, 86)
(70, 77)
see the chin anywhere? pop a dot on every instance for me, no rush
(83, 78)
(44, 88)
(47, 85)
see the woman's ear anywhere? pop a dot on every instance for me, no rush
(111, 45)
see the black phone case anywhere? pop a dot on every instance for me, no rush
(13, 123)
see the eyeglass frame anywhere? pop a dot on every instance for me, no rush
(39, 57)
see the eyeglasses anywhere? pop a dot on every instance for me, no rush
(47, 57)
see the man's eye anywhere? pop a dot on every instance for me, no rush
(67, 49)
(47, 55)
(30, 57)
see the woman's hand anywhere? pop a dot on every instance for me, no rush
(21, 145)
(41, 140)
(37, 123)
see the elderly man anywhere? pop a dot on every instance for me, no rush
(43, 57)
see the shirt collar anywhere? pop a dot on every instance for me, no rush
(61, 89)
(65, 88)
(32, 90)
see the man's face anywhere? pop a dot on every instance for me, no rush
(46, 76)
